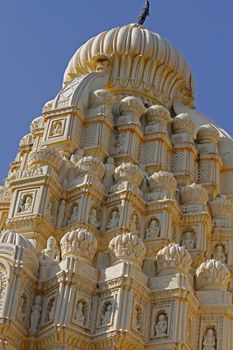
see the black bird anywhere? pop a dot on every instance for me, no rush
(144, 13)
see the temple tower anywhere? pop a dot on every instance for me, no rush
(116, 217)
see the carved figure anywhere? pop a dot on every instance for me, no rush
(219, 253)
(209, 340)
(48, 257)
(188, 240)
(77, 155)
(109, 171)
(119, 143)
(93, 218)
(25, 204)
(137, 319)
(133, 225)
(79, 315)
(106, 316)
(161, 326)
(61, 212)
(23, 306)
(74, 215)
(114, 221)
(56, 129)
(153, 230)
(145, 12)
(36, 313)
(50, 309)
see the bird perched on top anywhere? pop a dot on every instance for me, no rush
(144, 13)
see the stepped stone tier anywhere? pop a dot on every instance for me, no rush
(116, 216)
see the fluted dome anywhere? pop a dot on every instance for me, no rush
(10, 237)
(137, 58)
(212, 275)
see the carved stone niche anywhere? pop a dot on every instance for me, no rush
(157, 118)
(152, 230)
(46, 156)
(219, 252)
(80, 244)
(212, 275)
(131, 109)
(162, 186)
(194, 198)
(100, 103)
(173, 259)
(127, 247)
(26, 143)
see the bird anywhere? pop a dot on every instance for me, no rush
(144, 13)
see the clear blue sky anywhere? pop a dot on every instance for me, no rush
(38, 37)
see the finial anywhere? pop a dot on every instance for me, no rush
(144, 13)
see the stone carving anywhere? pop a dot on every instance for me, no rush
(3, 285)
(109, 172)
(157, 118)
(153, 230)
(50, 310)
(194, 198)
(129, 172)
(36, 313)
(162, 185)
(134, 223)
(48, 257)
(57, 128)
(183, 123)
(61, 213)
(77, 156)
(45, 156)
(161, 325)
(92, 166)
(79, 243)
(207, 133)
(23, 306)
(188, 240)
(25, 203)
(74, 214)
(221, 208)
(93, 218)
(173, 259)
(120, 143)
(101, 101)
(127, 247)
(209, 340)
(114, 220)
(137, 318)
(80, 316)
(106, 314)
(131, 109)
(212, 275)
(219, 253)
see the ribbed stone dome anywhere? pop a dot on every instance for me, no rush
(138, 58)
(9, 237)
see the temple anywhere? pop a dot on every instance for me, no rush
(116, 216)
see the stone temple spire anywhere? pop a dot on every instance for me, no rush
(116, 218)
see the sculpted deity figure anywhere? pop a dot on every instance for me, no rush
(79, 315)
(109, 172)
(48, 257)
(56, 128)
(133, 225)
(77, 155)
(114, 220)
(25, 204)
(50, 309)
(93, 218)
(137, 319)
(161, 326)
(74, 215)
(119, 143)
(61, 212)
(209, 340)
(23, 306)
(106, 316)
(153, 230)
(188, 240)
(36, 313)
(219, 253)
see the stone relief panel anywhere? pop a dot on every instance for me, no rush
(94, 217)
(26, 201)
(113, 219)
(3, 286)
(36, 314)
(49, 308)
(162, 321)
(81, 312)
(188, 239)
(152, 229)
(57, 128)
(219, 252)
